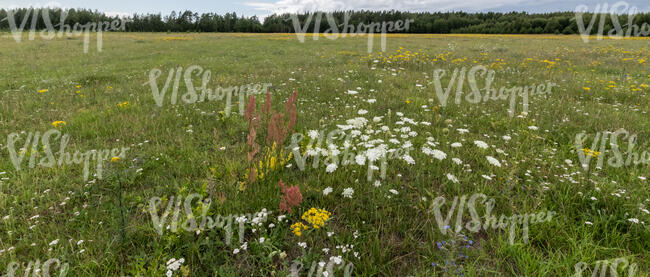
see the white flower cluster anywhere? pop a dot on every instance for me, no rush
(174, 265)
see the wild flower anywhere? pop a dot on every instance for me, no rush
(59, 124)
(115, 159)
(174, 265)
(408, 159)
(327, 191)
(481, 144)
(316, 217)
(123, 104)
(452, 178)
(42, 91)
(348, 192)
(591, 153)
(291, 198)
(493, 161)
(277, 129)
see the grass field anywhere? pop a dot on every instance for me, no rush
(527, 163)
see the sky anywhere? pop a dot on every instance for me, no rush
(262, 8)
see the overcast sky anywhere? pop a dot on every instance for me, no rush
(264, 7)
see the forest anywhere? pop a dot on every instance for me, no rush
(422, 22)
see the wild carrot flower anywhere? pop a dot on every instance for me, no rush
(348, 192)
(493, 161)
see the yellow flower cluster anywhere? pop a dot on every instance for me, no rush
(273, 160)
(404, 57)
(123, 104)
(58, 124)
(316, 217)
(298, 227)
(590, 152)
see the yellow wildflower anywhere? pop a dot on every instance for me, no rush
(316, 217)
(590, 152)
(297, 228)
(115, 159)
(123, 104)
(58, 124)
(42, 91)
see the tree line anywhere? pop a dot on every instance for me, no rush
(423, 22)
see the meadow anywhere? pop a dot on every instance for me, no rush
(381, 103)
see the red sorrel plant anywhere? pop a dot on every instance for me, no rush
(291, 198)
(278, 126)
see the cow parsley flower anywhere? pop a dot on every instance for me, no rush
(493, 161)
(481, 144)
(348, 192)
(452, 178)
(408, 159)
